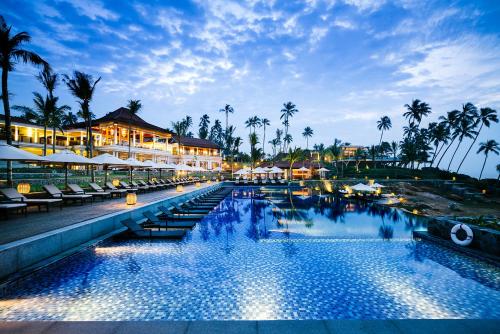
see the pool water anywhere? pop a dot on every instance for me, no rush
(268, 254)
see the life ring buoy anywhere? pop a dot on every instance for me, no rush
(467, 241)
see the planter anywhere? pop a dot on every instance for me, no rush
(485, 239)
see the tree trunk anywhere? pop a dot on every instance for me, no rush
(264, 142)
(453, 156)
(6, 109)
(470, 147)
(44, 139)
(54, 139)
(445, 151)
(484, 163)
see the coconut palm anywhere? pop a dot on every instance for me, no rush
(449, 122)
(498, 171)
(133, 106)
(69, 119)
(56, 119)
(394, 151)
(255, 153)
(11, 53)
(204, 124)
(486, 117)
(308, 133)
(289, 109)
(279, 135)
(383, 124)
(287, 139)
(488, 147)
(252, 123)
(82, 86)
(274, 144)
(217, 133)
(227, 110)
(264, 122)
(464, 128)
(439, 134)
(293, 156)
(416, 111)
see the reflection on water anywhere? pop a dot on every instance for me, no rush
(267, 254)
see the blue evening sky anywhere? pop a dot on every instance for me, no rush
(345, 63)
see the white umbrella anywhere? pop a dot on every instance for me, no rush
(183, 167)
(217, 169)
(377, 185)
(107, 160)
(304, 169)
(323, 169)
(162, 165)
(259, 170)
(136, 163)
(152, 164)
(242, 171)
(11, 153)
(363, 187)
(68, 157)
(276, 170)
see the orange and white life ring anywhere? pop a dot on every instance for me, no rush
(465, 242)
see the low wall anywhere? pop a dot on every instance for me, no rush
(19, 255)
(485, 239)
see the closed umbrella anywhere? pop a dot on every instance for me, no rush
(67, 158)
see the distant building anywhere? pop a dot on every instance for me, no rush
(111, 135)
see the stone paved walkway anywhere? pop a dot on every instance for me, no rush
(20, 227)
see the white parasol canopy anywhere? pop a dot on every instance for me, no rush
(108, 159)
(377, 185)
(276, 170)
(183, 167)
(136, 163)
(259, 170)
(152, 164)
(363, 187)
(69, 157)
(323, 169)
(304, 169)
(242, 171)
(11, 153)
(162, 165)
(217, 169)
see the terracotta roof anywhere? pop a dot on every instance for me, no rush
(195, 142)
(124, 116)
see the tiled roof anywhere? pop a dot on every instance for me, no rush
(195, 142)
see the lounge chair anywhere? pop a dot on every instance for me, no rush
(155, 221)
(185, 209)
(140, 187)
(255, 181)
(114, 192)
(56, 193)
(140, 232)
(6, 207)
(264, 181)
(168, 214)
(273, 181)
(77, 190)
(245, 181)
(125, 185)
(13, 196)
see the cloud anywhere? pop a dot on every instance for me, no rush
(93, 9)
(366, 5)
(342, 23)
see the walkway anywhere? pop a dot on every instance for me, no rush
(20, 227)
(254, 327)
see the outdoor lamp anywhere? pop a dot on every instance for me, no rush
(454, 178)
(131, 198)
(302, 183)
(209, 181)
(415, 212)
(179, 188)
(116, 182)
(371, 182)
(483, 191)
(387, 177)
(197, 184)
(23, 188)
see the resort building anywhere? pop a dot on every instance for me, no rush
(113, 133)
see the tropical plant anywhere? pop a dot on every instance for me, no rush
(252, 123)
(308, 133)
(438, 134)
(416, 111)
(264, 122)
(217, 133)
(279, 135)
(274, 145)
(82, 86)
(287, 140)
(394, 151)
(464, 127)
(227, 110)
(486, 117)
(69, 119)
(449, 122)
(289, 109)
(204, 124)
(12, 52)
(383, 124)
(293, 156)
(359, 155)
(133, 106)
(498, 171)
(490, 146)
(255, 153)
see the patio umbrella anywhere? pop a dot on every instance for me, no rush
(363, 187)
(322, 170)
(242, 171)
(304, 169)
(377, 185)
(67, 157)
(134, 163)
(107, 160)
(11, 153)
(276, 170)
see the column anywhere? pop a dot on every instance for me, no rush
(133, 140)
(16, 133)
(81, 138)
(116, 134)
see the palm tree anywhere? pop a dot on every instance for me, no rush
(255, 153)
(293, 156)
(289, 109)
(227, 110)
(180, 130)
(498, 171)
(40, 114)
(56, 119)
(82, 86)
(466, 123)
(438, 134)
(204, 124)
(279, 142)
(486, 117)
(487, 147)
(416, 111)
(12, 52)
(274, 144)
(133, 106)
(69, 119)
(308, 133)
(264, 122)
(383, 124)
(394, 151)
(449, 122)
(287, 139)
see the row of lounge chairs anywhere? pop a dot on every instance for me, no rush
(177, 217)
(261, 181)
(14, 201)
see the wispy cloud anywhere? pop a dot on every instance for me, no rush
(93, 9)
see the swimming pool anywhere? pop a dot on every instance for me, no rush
(268, 254)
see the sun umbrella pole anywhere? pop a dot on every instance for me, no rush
(66, 174)
(105, 168)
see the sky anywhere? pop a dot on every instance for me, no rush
(344, 63)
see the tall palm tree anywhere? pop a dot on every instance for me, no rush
(69, 119)
(466, 123)
(40, 114)
(227, 110)
(383, 124)
(133, 106)
(289, 109)
(498, 171)
(255, 153)
(416, 111)
(56, 119)
(82, 86)
(450, 123)
(293, 156)
(279, 135)
(264, 122)
(439, 134)
(204, 124)
(394, 151)
(252, 123)
(287, 140)
(486, 117)
(308, 133)
(487, 147)
(274, 144)
(12, 52)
